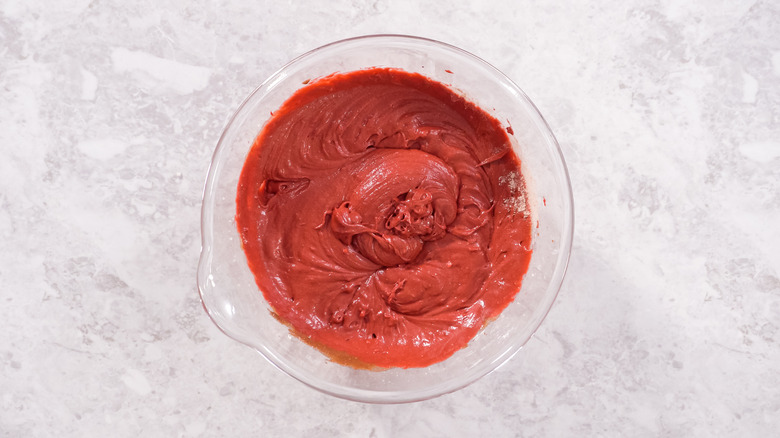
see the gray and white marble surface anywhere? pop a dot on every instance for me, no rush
(668, 113)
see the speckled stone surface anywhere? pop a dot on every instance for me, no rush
(668, 113)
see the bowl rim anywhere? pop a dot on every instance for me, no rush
(374, 396)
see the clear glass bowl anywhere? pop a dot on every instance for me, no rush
(236, 305)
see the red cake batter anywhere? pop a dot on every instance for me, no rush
(383, 216)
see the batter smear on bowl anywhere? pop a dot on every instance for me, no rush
(384, 217)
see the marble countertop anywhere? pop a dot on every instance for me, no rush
(668, 113)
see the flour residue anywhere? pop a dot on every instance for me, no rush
(516, 201)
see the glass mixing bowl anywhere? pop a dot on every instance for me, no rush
(236, 305)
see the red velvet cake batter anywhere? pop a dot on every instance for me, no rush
(383, 216)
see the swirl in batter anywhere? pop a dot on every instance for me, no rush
(383, 216)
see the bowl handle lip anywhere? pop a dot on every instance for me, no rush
(203, 280)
